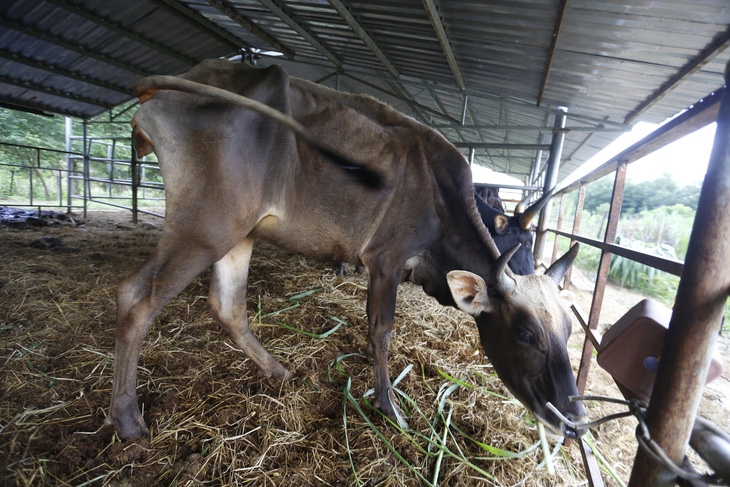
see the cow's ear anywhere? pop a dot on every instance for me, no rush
(501, 224)
(567, 298)
(469, 292)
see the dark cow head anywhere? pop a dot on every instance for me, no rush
(508, 231)
(526, 343)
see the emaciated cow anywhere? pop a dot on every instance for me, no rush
(233, 175)
(508, 231)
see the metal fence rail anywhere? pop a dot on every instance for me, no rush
(35, 171)
(111, 175)
(103, 171)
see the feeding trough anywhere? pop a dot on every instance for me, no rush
(631, 349)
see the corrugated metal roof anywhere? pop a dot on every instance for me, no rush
(611, 63)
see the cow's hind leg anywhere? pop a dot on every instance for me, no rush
(227, 303)
(140, 297)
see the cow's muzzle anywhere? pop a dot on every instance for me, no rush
(572, 425)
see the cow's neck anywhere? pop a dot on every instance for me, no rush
(464, 244)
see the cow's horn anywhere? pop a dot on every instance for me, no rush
(502, 282)
(522, 205)
(561, 266)
(529, 214)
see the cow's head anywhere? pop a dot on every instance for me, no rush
(524, 328)
(509, 231)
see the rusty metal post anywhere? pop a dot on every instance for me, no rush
(558, 226)
(603, 267)
(697, 316)
(576, 229)
(135, 185)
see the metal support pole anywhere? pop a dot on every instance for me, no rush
(697, 317)
(553, 166)
(30, 185)
(535, 169)
(135, 185)
(471, 155)
(86, 183)
(69, 163)
(463, 110)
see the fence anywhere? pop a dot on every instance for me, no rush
(98, 170)
(702, 293)
(24, 181)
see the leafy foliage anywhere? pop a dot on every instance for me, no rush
(663, 231)
(46, 181)
(647, 195)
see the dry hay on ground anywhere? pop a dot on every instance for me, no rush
(214, 420)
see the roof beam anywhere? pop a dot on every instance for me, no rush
(443, 38)
(288, 20)
(715, 48)
(226, 9)
(214, 30)
(488, 145)
(699, 115)
(55, 69)
(30, 107)
(553, 47)
(400, 97)
(439, 103)
(528, 128)
(50, 91)
(57, 41)
(405, 81)
(364, 36)
(20, 108)
(402, 94)
(122, 30)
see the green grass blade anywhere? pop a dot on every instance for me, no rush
(274, 313)
(440, 456)
(547, 458)
(452, 379)
(305, 294)
(344, 422)
(309, 334)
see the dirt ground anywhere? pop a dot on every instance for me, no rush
(215, 421)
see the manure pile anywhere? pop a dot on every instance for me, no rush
(213, 419)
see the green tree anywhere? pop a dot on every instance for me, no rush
(638, 197)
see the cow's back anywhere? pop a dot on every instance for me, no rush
(237, 163)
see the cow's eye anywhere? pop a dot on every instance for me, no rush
(526, 337)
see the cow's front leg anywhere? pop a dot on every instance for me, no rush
(382, 290)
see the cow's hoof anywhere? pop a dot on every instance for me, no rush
(126, 418)
(133, 429)
(277, 372)
(393, 412)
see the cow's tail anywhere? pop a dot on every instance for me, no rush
(146, 87)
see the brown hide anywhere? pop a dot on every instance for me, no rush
(233, 175)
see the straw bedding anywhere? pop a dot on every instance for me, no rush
(213, 419)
